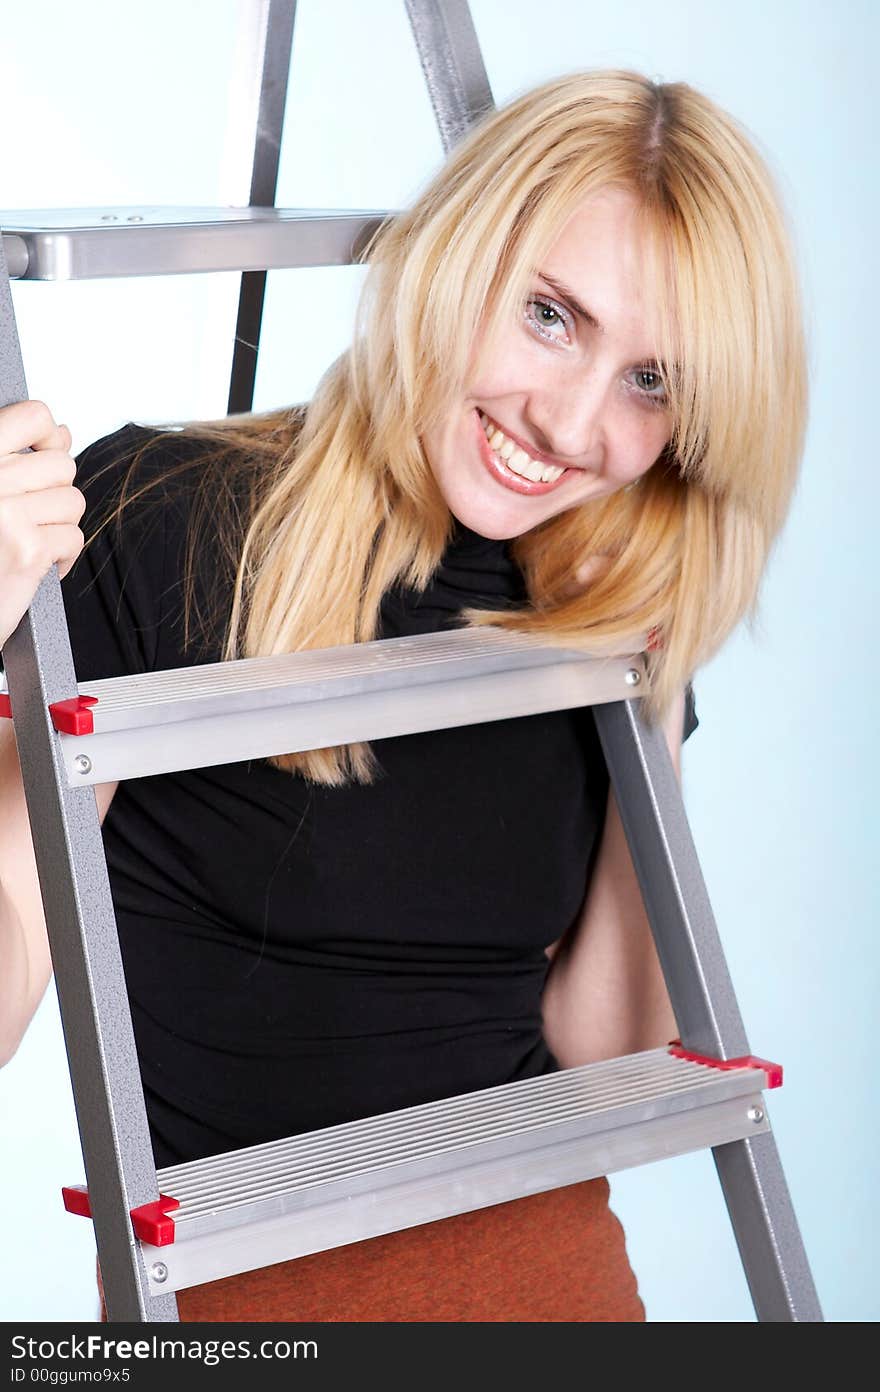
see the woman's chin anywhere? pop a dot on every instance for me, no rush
(493, 523)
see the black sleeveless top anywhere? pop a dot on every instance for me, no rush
(296, 955)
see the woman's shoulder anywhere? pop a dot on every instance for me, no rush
(135, 454)
(155, 482)
(125, 596)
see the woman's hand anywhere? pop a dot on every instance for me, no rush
(39, 507)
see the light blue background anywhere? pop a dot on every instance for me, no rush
(109, 104)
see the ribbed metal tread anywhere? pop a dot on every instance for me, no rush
(231, 711)
(321, 674)
(272, 1202)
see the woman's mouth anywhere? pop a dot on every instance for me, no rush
(510, 465)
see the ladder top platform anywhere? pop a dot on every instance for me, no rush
(94, 243)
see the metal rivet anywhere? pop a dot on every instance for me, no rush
(755, 1113)
(159, 1271)
(633, 677)
(82, 763)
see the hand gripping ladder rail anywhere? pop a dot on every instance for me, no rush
(161, 1232)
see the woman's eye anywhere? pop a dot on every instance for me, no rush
(546, 318)
(651, 385)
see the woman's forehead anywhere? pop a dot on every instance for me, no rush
(600, 262)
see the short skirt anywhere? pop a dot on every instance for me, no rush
(558, 1256)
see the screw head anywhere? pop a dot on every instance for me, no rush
(755, 1114)
(82, 763)
(159, 1271)
(633, 677)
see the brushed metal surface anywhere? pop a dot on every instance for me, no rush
(99, 243)
(323, 1189)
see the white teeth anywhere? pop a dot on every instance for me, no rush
(516, 458)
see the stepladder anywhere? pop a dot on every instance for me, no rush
(161, 1231)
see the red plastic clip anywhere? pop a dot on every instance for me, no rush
(150, 1221)
(73, 717)
(76, 1199)
(773, 1070)
(5, 706)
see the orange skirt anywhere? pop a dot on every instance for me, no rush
(554, 1257)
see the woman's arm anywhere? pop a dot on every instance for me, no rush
(25, 964)
(605, 995)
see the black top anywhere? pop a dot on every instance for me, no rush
(296, 955)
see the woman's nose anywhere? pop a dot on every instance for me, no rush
(570, 424)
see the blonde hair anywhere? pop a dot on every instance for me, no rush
(342, 487)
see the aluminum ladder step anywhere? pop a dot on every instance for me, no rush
(96, 243)
(193, 717)
(271, 1203)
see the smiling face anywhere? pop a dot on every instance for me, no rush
(570, 405)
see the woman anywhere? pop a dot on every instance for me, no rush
(574, 405)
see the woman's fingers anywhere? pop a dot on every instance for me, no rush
(23, 511)
(35, 471)
(28, 530)
(40, 507)
(30, 425)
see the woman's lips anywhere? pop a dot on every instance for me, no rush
(500, 472)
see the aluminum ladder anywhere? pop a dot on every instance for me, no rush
(158, 1232)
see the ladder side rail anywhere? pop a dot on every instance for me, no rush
(766, 1230)
(275, 21)
(452, 63)
(675, 896)
(81, 923)
(702, 996)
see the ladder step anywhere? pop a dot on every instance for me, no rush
(91, 243)
(226, 712)
(270, 1203)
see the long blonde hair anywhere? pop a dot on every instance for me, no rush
(341, 488)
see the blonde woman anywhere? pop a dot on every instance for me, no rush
(574, 405)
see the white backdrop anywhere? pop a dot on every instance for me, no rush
(105, 104)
